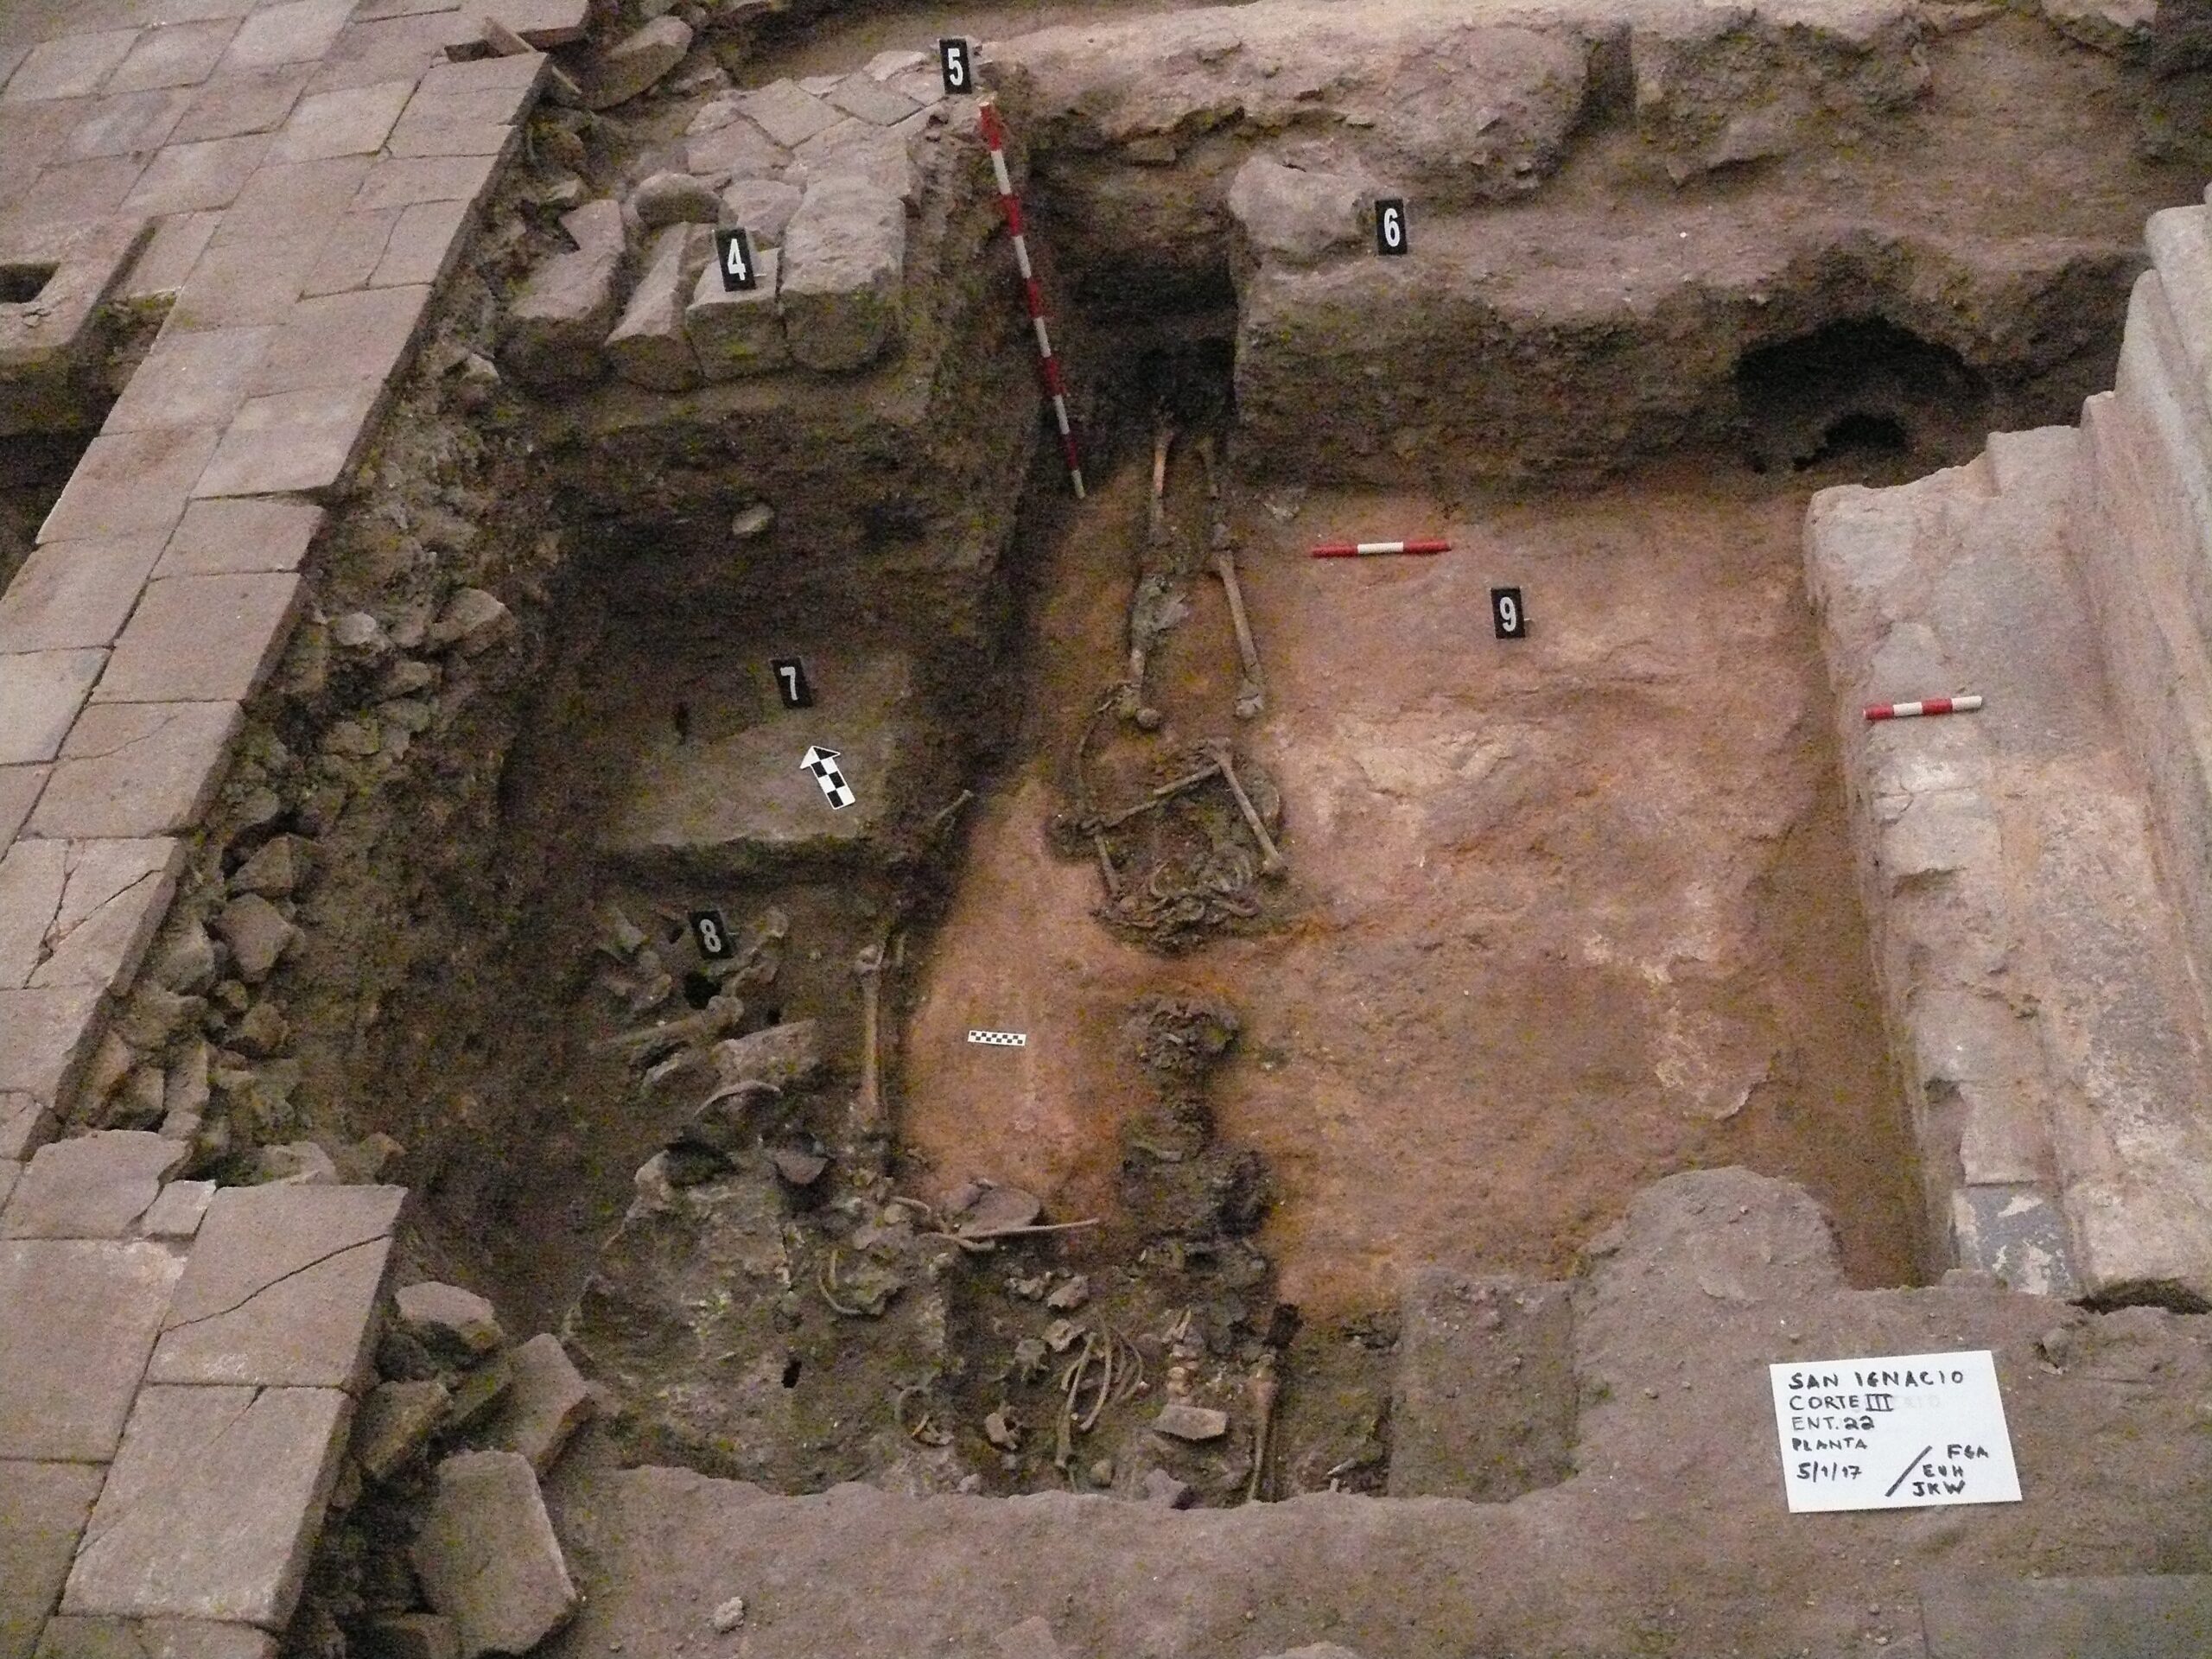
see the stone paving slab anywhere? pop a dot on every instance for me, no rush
(45, 1036)
(370, 52)
(196, 379)
(128, 482)
(72, 66)
(352, 248)
(207, 174)
(426, 243)
(281, 1288)
(177, 55)
(19, 791)
(136, 769)
(238, 104)
(43, 1508)
(213, 1504)
(300, 32)
(290, 199)
(294, 442)
(352, 122)
(340, 339)
(73, 1637)
(241, 284)
(76, 596)
(24, 1124)
(78, 1318)
(202, 640)
(127, 123)
(82, 912)
(235, 537)
(396, 181)
(95, 1185)
(40, 694)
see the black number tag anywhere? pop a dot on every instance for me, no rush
(791, 683)
(1506, 610)
(959, 69)
(1390, 225)
(712, 934)
(734, 252)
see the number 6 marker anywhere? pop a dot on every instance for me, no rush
(1390, 226)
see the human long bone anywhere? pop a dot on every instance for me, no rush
(1272, 863)
(1252, 695)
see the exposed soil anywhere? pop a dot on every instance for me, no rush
(1571, 911)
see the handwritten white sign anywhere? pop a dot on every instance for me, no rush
(1899, 1432)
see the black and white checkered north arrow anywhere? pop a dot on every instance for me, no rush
(823, 763)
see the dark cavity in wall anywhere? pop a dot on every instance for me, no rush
(1859, 391)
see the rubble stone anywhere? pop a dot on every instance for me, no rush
(787, 113)
(763, 207)
(470, 622)
(844, 260)
(666, 199)
(396, 1422)
(1187, 1422)
(277, 870)
(649, 346)
(554, 329)
(488, 1556)
(635, 62)
(257, 934)
(737, 332)
(547, 1403)
(456, 1324)
(1293, 215)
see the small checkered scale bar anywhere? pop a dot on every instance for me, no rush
(1371, 549)
(1965, 705)
(994, 136)
(1000, 1038)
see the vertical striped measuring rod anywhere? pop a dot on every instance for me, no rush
(993, 132)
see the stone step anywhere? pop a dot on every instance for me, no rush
(2051, 978)
(1483, 1404)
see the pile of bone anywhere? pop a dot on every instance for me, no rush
(440, 1485)
(821, 174)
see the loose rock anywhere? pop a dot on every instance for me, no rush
(635, 62)
(488, 1556)
(547, 1403)
(471, 621)
(257, 934)
(728, 1616)
(666, 199)
(649, 347)
(295, 1163)
(844, 261)
(1187, 1422)
(188, 965)
(753, 523)
(280, 869)
(458, 1325)
(396, 1422)
(1162, 1488)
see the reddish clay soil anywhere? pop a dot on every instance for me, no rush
(1569, 913)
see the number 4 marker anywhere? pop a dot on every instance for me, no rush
(734, 249)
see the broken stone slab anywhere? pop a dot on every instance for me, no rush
(213, 1506)
(179, 1211)
(281, 1288)
(455, 1325)
(78, 1318)
(47, 1036)
(396, 1422)
(762, 207)
(1294, 216)
(1182, 1421)
(855, 150)
(649, 346)
(787, 112)
(257, 933)
(476, 1391)
(735, 149)
(74, 1637)
(487, 1557)
(554, 329)
(94, 1187)
(666, 199)
(82, 912)
(869, 99)
(844, 262)
(43, 1508)
(548, 1401)
(136, 769)
(737, 332)
(25, 1125)
(635, 62)
(39, 694)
